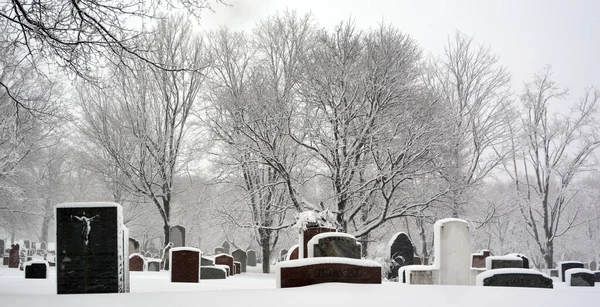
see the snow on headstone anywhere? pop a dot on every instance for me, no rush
(578, 277)
(514, 277)
(37, 269)
(334, 244)
(452, 251)
(293, 253)
(134, 246)
(311, 223)
(90, 244)
(137, 263)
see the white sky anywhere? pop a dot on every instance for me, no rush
(526, 34)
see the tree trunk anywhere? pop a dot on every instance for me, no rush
(265, 244)
(167, 239)
(549, 254)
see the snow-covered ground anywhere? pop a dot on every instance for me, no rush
(256, 289)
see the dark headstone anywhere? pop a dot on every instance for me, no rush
(310, 274)
(90, 245)
(14, 256)
(503, 262)
(37, 270)
(153, 266)
(337, 245)
(597, 275)
(5, 260)
(283, 254)
(1, 248)
(417, 261)
(136, 263)
(212, 272)
(553, 272)
(582, 278)
(185, 264)
(241, 257)
(134, 246)
(27, 244)
(219, 250)
(563, 266)
(226, 260)
(226, 247)
(206, 262)
(308, 234)
(523, 280)
(294, 253)
(238, 267)
(251, 261)
(478, 260)
(177, 235)
(402, 250)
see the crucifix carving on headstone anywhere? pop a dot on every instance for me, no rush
(86, 226)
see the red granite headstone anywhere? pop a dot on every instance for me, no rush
(226, 260)
(13, 256)
(309, 233)
(185, 264)
(478, 260)
(136, 263)
(294, 253)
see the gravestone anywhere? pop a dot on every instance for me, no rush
(478, 259)
(212, 272)
(580, 278)
(5, 260)
(503, 262)
(43, 245)
(224, 267)
(305, 236)
(553, 272)
(27, 244)
(523, 257)
(402, 253)
(421, 277)
(294, 253)
(597, 276)
(185, 264)
(241, 257)
(148, 255)
(154, 265)
(451, 243)
(177, 235)
(37, 269)
(225, 259)
(304, 272)
(206, 261)
(90, 244)
(593, 265)
(219, 250)
(226, 247)
(565, 265)
(334, 244)
(1, 248)
(14, 256)
(134, 246)
(238, 267)
(283, 254)
(251, 261)
(136, 263)
(522, 278)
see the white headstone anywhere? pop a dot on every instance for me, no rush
(452, 247)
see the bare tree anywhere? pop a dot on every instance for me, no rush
(475, 89)
(556, 150)
(140, 117)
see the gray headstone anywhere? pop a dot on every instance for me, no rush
(402, 253)
(134, 246)
(212, 272)
(530, 279)
(553, 273)
(27, 244)
(1, 248)
(226, 247)
(583, 279)
(241, 257)
(43, 245)
(335, 246)
(563, 266)
(90, 245)
(251, 257)
(593, 265)
(153, 266)
(177, 235)
(5, 260)
(206, 261)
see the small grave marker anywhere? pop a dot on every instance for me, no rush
(241, 257)
(251, 260)
(185, 264)
(523, 278)
(212, 272)
(37, 269)
(565, 265)
(580, 278)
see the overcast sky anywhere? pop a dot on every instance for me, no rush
(526, 34)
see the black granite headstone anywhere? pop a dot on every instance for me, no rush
(89, 248)
(226, 247)
(5, 260)
(583, 279)
(402, 253)
(212, 272)
(497, 263)
(251, 257)
(597, 276)
(1, 248)
(337, 246)
(36, 270)
(522, 280)
(241, 257)
(563, 266)
(177, 236)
